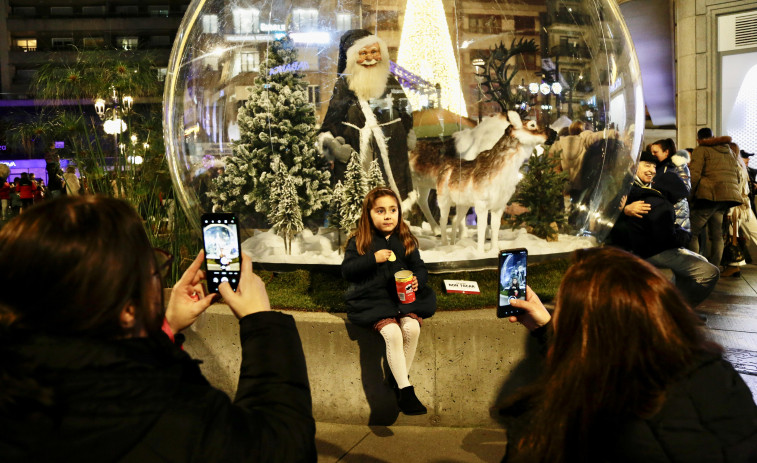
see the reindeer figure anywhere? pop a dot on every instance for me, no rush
(432, 162)
(487, 182)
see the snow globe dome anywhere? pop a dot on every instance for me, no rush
(261, 117)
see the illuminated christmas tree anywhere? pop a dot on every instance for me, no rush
(426, 51)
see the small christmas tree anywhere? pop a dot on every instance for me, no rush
(355, 188)
(541, 192)
(335, 211)
(287, 217)
(277, 120)
(375, 178)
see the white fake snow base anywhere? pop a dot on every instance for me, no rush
(321, 248)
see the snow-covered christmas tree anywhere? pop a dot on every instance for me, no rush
(355, 188)
(277, 120)
(286, 218)
(375, 178)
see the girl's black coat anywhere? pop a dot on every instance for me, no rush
(372, 294)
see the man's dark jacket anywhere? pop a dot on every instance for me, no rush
(145, 400)
(657, 230)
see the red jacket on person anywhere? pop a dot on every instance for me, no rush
(5, 191)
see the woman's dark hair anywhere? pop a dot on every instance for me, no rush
(365, 228)
(622, 334)
(666, 144)
(84, 258)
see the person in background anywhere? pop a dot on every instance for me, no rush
(92, 368)
(40, 192)
(714, 189)
(5, 194)
(629, 374)
(54, 174)
(752, 174)
(15, 199)
(668, 159)
(72, 181)
(25, 191)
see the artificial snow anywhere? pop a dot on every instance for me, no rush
(321, 248)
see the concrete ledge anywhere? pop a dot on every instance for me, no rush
(465, 361)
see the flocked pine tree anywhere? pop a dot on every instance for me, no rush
(277, 120)
(375, 178)
(335, 211)
(355, 188)
(286, 217)
(541, 192)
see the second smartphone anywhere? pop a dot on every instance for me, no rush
(223, 260)
(512, 280)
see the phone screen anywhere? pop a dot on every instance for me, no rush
(512, 280)
(220, 236)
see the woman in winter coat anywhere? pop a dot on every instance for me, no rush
(678, 162)
(92, 368)
(629, 375)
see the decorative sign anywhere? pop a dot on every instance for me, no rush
(266, 27)
(291, 67)
(9, 163)
(3, 147)
(461, 287)
(59, 145)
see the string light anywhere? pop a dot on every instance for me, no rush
(426, 51)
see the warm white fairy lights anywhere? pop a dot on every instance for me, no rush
(426, 51)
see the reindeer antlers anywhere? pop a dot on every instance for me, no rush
(498, 73)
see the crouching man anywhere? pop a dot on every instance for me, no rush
(647, 227)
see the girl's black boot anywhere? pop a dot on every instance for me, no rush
(409, 403)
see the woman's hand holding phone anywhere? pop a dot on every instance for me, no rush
(250, 296)
(188, 299)
(535, 314)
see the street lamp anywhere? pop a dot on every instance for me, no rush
(111, 113)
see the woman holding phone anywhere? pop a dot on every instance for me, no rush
(88, 374)
(629, 375)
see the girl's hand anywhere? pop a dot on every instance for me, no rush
(250, 297)
(536, 314)
(382, 255)
(188, 299)
(415, 283)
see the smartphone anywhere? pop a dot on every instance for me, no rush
(223, 260)
(513, 264)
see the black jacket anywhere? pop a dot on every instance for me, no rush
(656, 231)
(372, 294)
(709, 416)
(145, 400)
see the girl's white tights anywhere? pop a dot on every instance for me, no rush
(401, 342)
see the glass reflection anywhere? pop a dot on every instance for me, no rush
(456, 63)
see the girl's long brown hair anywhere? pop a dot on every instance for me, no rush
(622, 334)
(365, 228)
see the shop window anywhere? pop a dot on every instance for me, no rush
(246, 20)
(127, 43)
(249, 61)
(343, 21)
(304, 19)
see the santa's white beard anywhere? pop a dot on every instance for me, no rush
(367, 83)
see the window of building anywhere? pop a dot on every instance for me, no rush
(314, 94)
(127, 43)
(160, 41)
(387, 20)
(61, 11)
(127, 9)
(246, 20)
(249, 61)
(93, 10)
(343, 21)
(524, 23)
(60, 43)
(93, 42)
(304, 19)
(210, 23)
(24, 10)
(158, 10)
(567, 41)
(162, 72)
(484, 24)
(26, 44)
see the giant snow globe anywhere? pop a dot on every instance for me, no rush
(504, 124)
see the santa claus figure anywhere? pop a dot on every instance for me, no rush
(368, 113)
